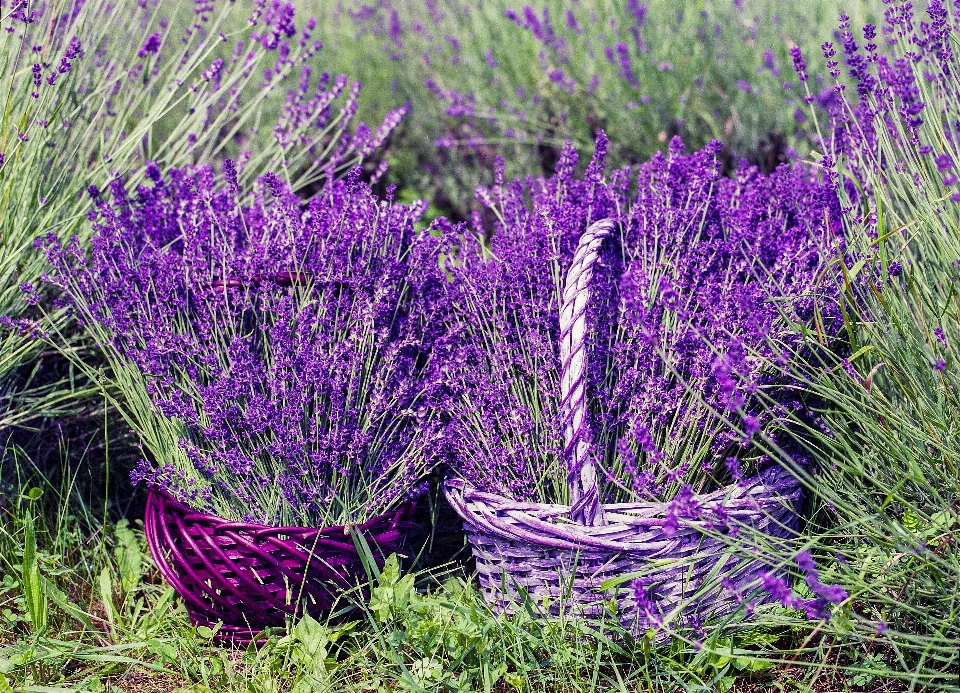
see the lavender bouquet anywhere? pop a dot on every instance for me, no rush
(273, 354)
(700, 279)
(93, 88)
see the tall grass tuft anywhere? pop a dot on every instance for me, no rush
(884, 512)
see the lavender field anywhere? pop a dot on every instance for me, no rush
(448, 345)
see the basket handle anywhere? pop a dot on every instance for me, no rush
(581, 470)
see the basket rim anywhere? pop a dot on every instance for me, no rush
(550, 524)
(261, 531)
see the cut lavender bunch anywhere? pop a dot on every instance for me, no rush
(275, 357)
(93, 88)
(700, 277)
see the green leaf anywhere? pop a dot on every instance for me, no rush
(860, 352)
(5, 686)
(164, 650)
(942, 520)
(106, 594)
(391, 570)
(30, 579)
(515, 681)
(753, 663)
(206, 632)
(911, 521)
(68, 607)
(726, 683)
(393, 593)
(129, 556)
(343, 630)
(855, 270)
(314, 636)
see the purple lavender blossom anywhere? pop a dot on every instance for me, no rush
(817, 608)
(799, 63)
(779, 590)
(770, 63)
(647, 606)
(150, 47)
(278, 20)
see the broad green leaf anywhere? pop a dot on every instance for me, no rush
(129, 556)
(60, 599)
(205, 632)
(30, 579)
(106, 594)
(314, 636)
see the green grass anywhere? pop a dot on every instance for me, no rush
(83, 608)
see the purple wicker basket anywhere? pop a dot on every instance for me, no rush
(250, 577)
(561, 555)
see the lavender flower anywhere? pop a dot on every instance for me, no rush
(647, 606)
(799, 63)
(817, 608)
(150, 47)
(91, 73)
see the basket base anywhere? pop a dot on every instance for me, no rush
(244, 577)
(570, 585)
(530, 554)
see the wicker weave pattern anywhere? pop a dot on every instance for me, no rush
(561, 554)
(250, 576)
(536, 547)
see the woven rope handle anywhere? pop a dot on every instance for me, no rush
(581, 470)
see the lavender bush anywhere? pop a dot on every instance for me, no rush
(886, 502)
(520, 78)
(704, 271)
(93, 89)
(275, 357)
